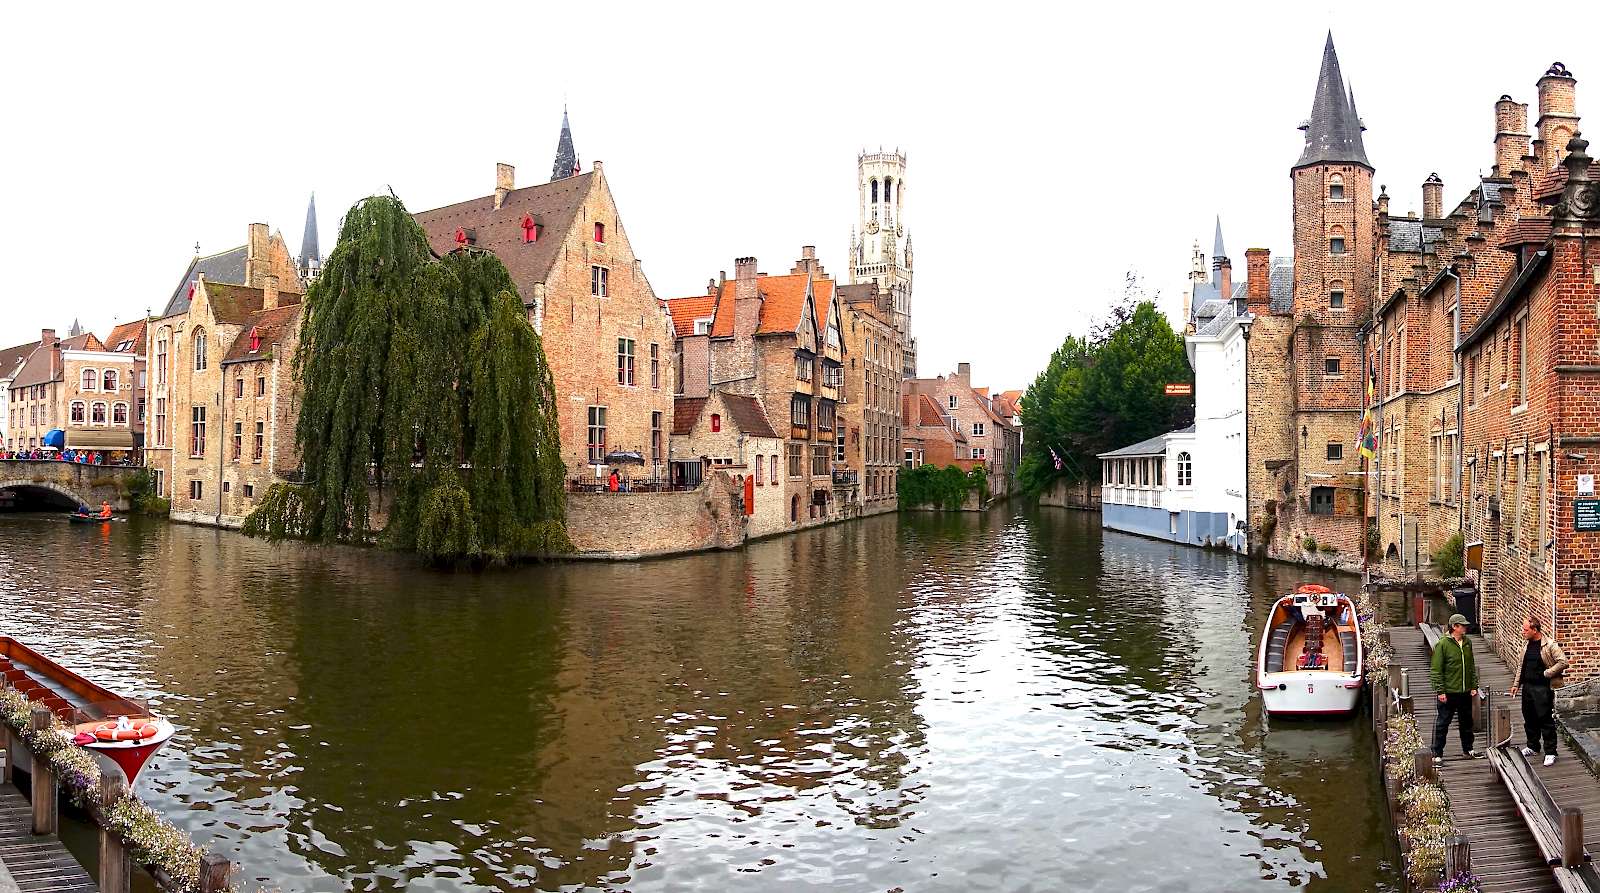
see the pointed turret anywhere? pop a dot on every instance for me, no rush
(310, 251)
(75, 331)
(566, 156)
(1219, 259)
(1333, 132)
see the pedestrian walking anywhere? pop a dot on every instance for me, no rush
(1538, 676)
(1454, 675)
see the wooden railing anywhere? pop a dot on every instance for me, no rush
(116, 862)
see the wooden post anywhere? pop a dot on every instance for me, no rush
(1499, 724)
(5, 753)
(116, 866)
(1477, 712)
(1424, 765)
(1571, 837)
(1394, 677)
(1407, 705)
(214, 873)
(43, 781)
(1457, 856)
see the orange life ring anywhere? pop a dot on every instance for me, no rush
(138, 730)
(1313, 588)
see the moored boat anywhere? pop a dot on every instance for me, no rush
(120, 733)
(1310, 659)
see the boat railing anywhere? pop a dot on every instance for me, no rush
(116, 860)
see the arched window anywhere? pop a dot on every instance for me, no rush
(91, 381)
(119, 414)
(199, 349)
(1336, 187)
(874, 191)
(1185, 470)
(1336, 295)
(97, 413)
(76, 412)
(108, 380)
(888, 190)
(716, 422)
(1336, 240)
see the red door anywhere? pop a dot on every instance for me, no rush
(749, 495)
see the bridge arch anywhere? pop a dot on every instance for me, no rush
(65, 493)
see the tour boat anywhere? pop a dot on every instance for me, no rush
(1310, 659)
(121, 734)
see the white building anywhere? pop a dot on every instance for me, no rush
(1217, 355)
(1149, 488)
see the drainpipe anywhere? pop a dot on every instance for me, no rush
(1461, 410)
(222, 413)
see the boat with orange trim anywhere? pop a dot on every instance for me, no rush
(1310, 660)
(122, 734)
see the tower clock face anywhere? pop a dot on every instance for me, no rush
(872, 226)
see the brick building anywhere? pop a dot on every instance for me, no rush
(607, 339)
(233, 318)
(990, 439)
(12, 360)
(731, 433)
(930, 437)
(868, 440)
(41, 391)
(132, 338)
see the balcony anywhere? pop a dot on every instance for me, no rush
(846, 476)
(799, 432)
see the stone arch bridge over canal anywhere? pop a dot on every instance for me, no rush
(65, 482)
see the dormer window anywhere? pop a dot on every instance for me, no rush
(600, 233)
(1336, 187)
(255, 340)
(530, 230)
(702, 326)
(461, 236)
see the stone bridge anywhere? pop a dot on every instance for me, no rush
(64, 482)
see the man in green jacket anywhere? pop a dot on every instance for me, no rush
(1454, 675)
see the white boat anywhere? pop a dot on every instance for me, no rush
(1310, 659)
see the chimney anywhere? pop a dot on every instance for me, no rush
(1383, 201)
(1510, 135)
(1258, 285)
(1432, 197)
(505, 180)
(964, 370)
(598, 166)
(1225, 287)
(746, 297)
(47, 337)
(711, 287)
(807, 262)
(269, 293)
(1558, 116)
(257, 259)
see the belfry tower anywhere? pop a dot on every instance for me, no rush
(880, 245)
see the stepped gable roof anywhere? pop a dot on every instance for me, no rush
(12, 358)
(685, 412)
(224, 266)
(748, 415)
(272, 325)
(552, 205)
(127, 338)
(1528, 230)
(1281, 293)
(1155, 446)
(1333, 132)
(684, 311)
(1506, 296)
(785, 297)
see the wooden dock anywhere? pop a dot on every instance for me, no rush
(35, 863)
(1505, 853)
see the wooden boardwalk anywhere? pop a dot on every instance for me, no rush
(1504, 854)
(36, 864)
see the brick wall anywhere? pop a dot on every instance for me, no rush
(636, 525)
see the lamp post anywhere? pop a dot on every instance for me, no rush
(1245, 322)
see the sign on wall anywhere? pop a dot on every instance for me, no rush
(1585, 485)
(1180, 390)
(1586, 514)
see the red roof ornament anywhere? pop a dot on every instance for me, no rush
(461, 235)
(255, 340)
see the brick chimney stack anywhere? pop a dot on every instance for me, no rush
(1225, 284)
(47, 337)
(1510, 135)
(746, 297)
(1558, 116)
(807, 262)
(505, 180)
(1258, 284)
(1432, 197)
(269, 293)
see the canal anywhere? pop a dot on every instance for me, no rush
(1009, 701)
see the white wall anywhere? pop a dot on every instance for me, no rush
(1219, 438)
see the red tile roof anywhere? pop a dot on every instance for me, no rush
(686, 310)
(748, 415)
(130, 332)
(685, 412)
(784, 305)
(272, 325)
(1526, 231)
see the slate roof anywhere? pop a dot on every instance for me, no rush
(553, 205)
(685, 311)
(272, 325)
(1409, 234)
(225, 266)
(1333, 133)
(129, 333)
(12, 358)
(781, 311)
(566, 163)
(1155, 446)
(1281, 294)
(309, 249)
(1217, 320)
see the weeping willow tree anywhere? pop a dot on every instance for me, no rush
(422, 385)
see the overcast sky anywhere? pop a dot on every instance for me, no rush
(1050, 149)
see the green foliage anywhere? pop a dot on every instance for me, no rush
(423, 383)
(945, 488)
(1448, 559)
(1309, 544)
(1328, 549)
(1104, 391)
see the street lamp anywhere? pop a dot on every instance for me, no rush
(1245, 322)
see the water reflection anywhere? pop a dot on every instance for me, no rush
(940, 702)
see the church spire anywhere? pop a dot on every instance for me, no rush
(1219, 257)
(1333, 132)
(566, 156)
(310, 252)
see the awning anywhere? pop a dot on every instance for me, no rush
(53, 438)
(99, 439)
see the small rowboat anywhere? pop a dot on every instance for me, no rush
(87, 519)
(120, 733)
(1310, 659)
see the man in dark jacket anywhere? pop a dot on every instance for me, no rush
(1538, 676)
(1454, 675)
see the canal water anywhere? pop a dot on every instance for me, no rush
(1008, 701)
